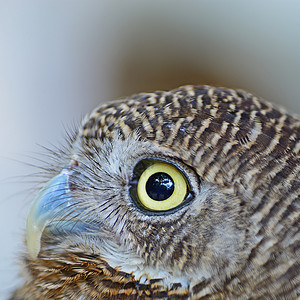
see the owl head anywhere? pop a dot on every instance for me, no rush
(164, 186)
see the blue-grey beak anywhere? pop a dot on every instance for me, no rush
(48, 204)
(54, 210)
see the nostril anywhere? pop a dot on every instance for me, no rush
(72, 186)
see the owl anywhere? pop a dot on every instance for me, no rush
(191, 193)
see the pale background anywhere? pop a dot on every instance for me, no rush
(59, 59)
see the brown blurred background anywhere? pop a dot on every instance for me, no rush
(59, 59)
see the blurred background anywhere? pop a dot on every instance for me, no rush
(59, 59)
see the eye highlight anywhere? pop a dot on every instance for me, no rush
(160, 186)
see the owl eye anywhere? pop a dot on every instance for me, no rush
(161, 187)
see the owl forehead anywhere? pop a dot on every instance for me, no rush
(154, 115)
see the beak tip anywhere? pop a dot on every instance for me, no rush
(33, 239)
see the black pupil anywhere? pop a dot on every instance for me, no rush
(160, 186)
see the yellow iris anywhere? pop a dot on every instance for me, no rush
(169, 180)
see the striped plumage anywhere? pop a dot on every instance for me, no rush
(237, 239)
